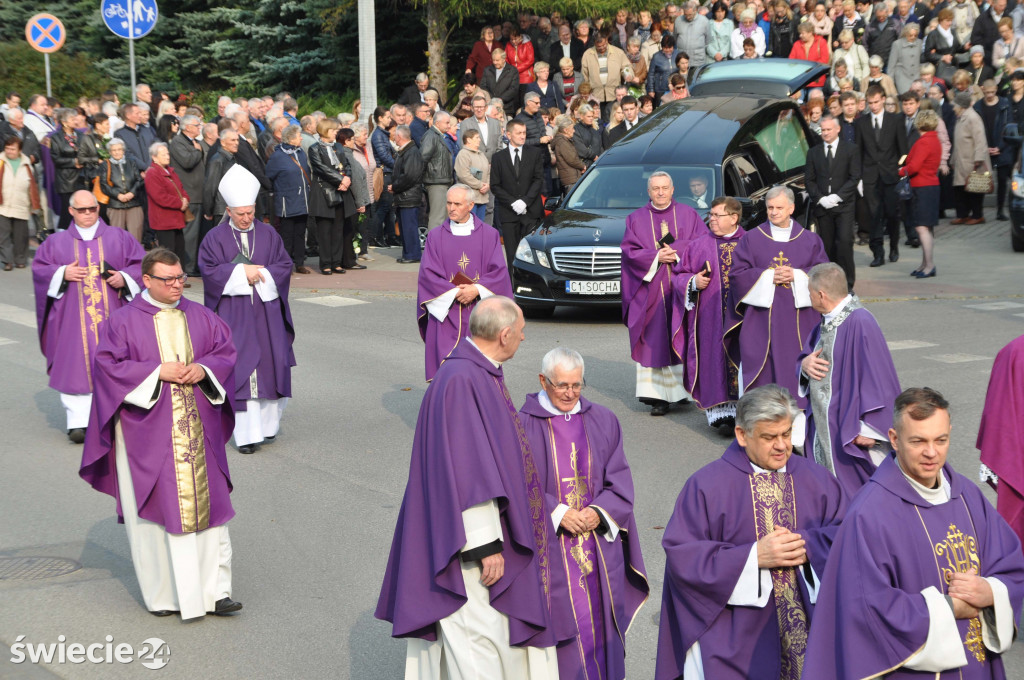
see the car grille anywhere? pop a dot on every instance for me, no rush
(596, 261)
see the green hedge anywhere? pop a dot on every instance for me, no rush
(22, 69)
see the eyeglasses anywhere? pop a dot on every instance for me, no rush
(87, 209)
(567, 387)
(718, 216)
(170, 280)
(679, 88)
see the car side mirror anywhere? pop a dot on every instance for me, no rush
(1012, 133)
(552, 203)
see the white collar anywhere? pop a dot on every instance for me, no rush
(782, 233)
(842, 305)
(513, 148)
(731, 233)
(877, 117)
(936, 496)
(496, 364)
(545, 401)
(87, 234)
(760, 470)
(463, 229)
(162, 305)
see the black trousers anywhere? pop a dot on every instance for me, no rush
(513, 231)
(836, 231)
(329, 240)
(173, 240)
(885, 219)
(63, 211)
(1002, 184)
(349, 227)
(968, 204)
(293, 233)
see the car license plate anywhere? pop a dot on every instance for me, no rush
(592, 287)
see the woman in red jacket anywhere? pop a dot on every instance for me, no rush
(810, 47)
(922, 167)
(520, 57)
(480, 56)
(167, 201)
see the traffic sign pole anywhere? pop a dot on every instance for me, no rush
(46, 60)
(131, 45)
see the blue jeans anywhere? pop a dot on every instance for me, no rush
(408, 224)
(480, 210)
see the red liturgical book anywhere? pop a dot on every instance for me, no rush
(461, 279)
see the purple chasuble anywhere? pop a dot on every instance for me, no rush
(582, 463)
(262, 331)
(175, 448)
(871, 617)
(470, 448)
(861, 385)
(1001, 433)
(698, 334)
(707, 542)
(69, 327)
(646, 305)
(478, 256)
(770, 340)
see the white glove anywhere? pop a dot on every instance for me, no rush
(519, 206)
(826, 202)
(860, 187)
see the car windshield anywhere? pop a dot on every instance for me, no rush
(624, 187)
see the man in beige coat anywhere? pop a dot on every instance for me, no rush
(970, 153)
(602, 68)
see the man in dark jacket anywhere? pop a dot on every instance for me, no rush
(413, 94)
(187, 161)
(986, 27)
(995, 114)
(536, 133)
(438, 168)
(250, 159)
(288, 170)
(567, 46)
(881, 33)
(137, 139)
(502, 81)
(407, 187)
(217, 165)
(420, 122)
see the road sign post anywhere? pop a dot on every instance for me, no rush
(131, 20)
(46, 34)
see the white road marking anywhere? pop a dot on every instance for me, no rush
(333, 301)
(22, 317)
(957, 358)
(996, 306)
(8, 341)
(909, 344)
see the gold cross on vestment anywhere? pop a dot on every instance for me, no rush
(577, 483)
(664, 228)
(780, 261)
(463, 262)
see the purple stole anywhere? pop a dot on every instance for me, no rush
(774, 506)
(92, 296)
(572, 466)
(534, 494)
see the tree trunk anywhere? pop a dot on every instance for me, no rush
(437, 49)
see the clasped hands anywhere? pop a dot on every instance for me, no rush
(781, 548)
(970, 594)
(578, 522)
(830, 201)
(254, 273)
(467, 293)
(783, 275)
(667, 255)
(73, 273)
(181, 374)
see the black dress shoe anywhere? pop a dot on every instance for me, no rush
(225, 606)
(894, 255)
(402, 260)
(77, 435)
(878, 261)
(659, 409)
(165, 612)
(912, 242)
(269, 440)
(1001, 217)
(247, 448)
(358, 266)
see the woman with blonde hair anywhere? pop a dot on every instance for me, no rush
(922, 167)
(567, 159)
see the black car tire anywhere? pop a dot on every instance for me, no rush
(538, 311)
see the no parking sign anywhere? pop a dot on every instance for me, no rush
(45, 32)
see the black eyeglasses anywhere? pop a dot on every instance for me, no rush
(87, 209)
(170, 280)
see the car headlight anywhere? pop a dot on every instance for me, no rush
(1017, 186)
(542, 259)
(524, 252)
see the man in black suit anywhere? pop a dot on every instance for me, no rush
(413, 94)
(831, 175)
(517, 175)
(910, 102)
(502, 81)
(567, 46)
(882, 143)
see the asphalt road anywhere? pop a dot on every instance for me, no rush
(316, 509)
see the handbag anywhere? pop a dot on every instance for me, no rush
(903, 189)
(332, 194)
(979, 183)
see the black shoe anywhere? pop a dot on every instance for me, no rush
(402, 260)
(726, 426)
(878, 261)
(77, 435)
(247, 448)
(1001, 216)
(862, 241)
(225, 606)
(165, 612)
(358, 266)
(312, 252)
(659, 409)
(269, 440)
(894, 255)
(912, 242)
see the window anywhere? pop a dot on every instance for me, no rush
(784, 142)
(625, 186)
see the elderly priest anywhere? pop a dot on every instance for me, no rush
(160, 420)
(246, 276)
(655, 235)
(471, 578)
(577, 446)
(924, 579)
(749, 536)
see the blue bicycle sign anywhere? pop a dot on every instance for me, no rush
(129, 18)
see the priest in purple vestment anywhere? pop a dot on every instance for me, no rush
(1001, 434)
(655, 235)
(246, 276)
(462, 247)
(924, 579)
(156, 441)
(770, 308)
(699, 311)
(81, 275)
(471, 576)
(577, 446)
(847, 375)
(747, 540)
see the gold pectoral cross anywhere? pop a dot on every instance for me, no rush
(780, 261)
